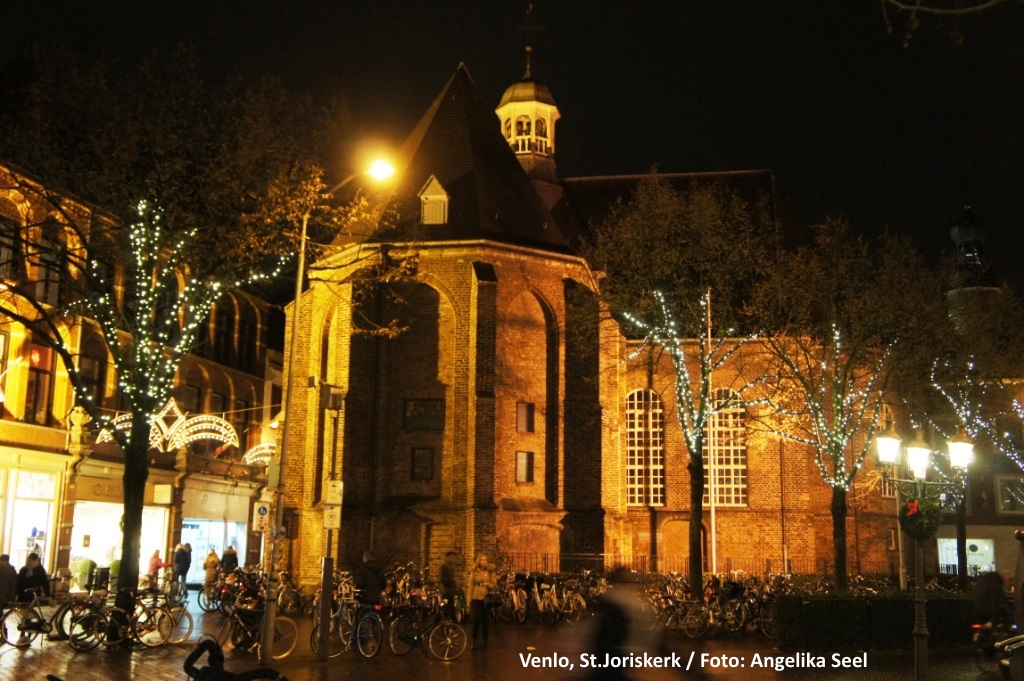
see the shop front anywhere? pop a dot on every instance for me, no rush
(28, 499)
(215, 515)
(96, 533)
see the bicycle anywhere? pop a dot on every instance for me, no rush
(28, 620)
(215, 670)
(366, 631)
(245, 625)
(445, 639)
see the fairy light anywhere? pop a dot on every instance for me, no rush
(967, 395)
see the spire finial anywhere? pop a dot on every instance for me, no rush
(529, 53)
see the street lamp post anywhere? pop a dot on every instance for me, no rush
(380, 170)
(918, 456)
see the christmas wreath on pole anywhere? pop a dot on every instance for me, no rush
(920, 518)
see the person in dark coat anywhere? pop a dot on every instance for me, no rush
(182, 562)
(32, 576)
(449, 581)
(369, 580)
(621, 628)
(229, 561)
(8, 581)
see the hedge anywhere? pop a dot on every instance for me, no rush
(878, 622)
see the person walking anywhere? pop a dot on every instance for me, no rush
(212, 566)
(8, 581)
(182, 562)
(229, 561)
(481, 580)
(450, 585)
(369, 580)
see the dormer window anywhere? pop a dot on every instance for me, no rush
(433, 203)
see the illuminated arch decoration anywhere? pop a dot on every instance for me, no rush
(173, 430)
(261, 454)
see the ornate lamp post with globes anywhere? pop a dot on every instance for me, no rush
(919, 515)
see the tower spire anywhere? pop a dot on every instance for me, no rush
(529, 53)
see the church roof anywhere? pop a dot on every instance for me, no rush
(527, 90)
(459, 142)
(586, 201)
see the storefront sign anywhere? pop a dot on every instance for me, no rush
(110, 490)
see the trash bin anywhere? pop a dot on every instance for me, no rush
(100, 578)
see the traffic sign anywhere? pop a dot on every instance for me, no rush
(332, 517)
(260, 516)
(332, 492)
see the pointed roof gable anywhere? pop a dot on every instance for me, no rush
(458, 141)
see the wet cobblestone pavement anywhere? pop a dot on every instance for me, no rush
(501, 661)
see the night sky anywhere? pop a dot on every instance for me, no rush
(852, 123)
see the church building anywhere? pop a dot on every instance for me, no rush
(484, 404)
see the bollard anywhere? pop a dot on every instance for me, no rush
(326, 601)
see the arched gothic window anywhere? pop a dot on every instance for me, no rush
(645, 449)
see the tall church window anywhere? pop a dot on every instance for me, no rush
(645, 449)
(725, 443)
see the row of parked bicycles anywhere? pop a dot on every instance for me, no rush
(412, 612)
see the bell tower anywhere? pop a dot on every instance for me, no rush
(527, 115)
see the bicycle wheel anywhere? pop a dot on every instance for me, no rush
(286, 635)
(72, 610)
(182, 624)
(176, 592)
(521, 600)
(209, 599)
(402, 635)
(241, 637)
(20, 626)
(735, 614)
(572, 608)
(336, 643)
(369, 634)
(152, 627)
(697, 620)
(87, 631)
(447, 641)
(288, 602)
(767, 622)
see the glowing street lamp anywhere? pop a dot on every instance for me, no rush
(961, 451)
(919, 456)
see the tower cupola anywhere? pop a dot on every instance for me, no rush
(528, 114)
